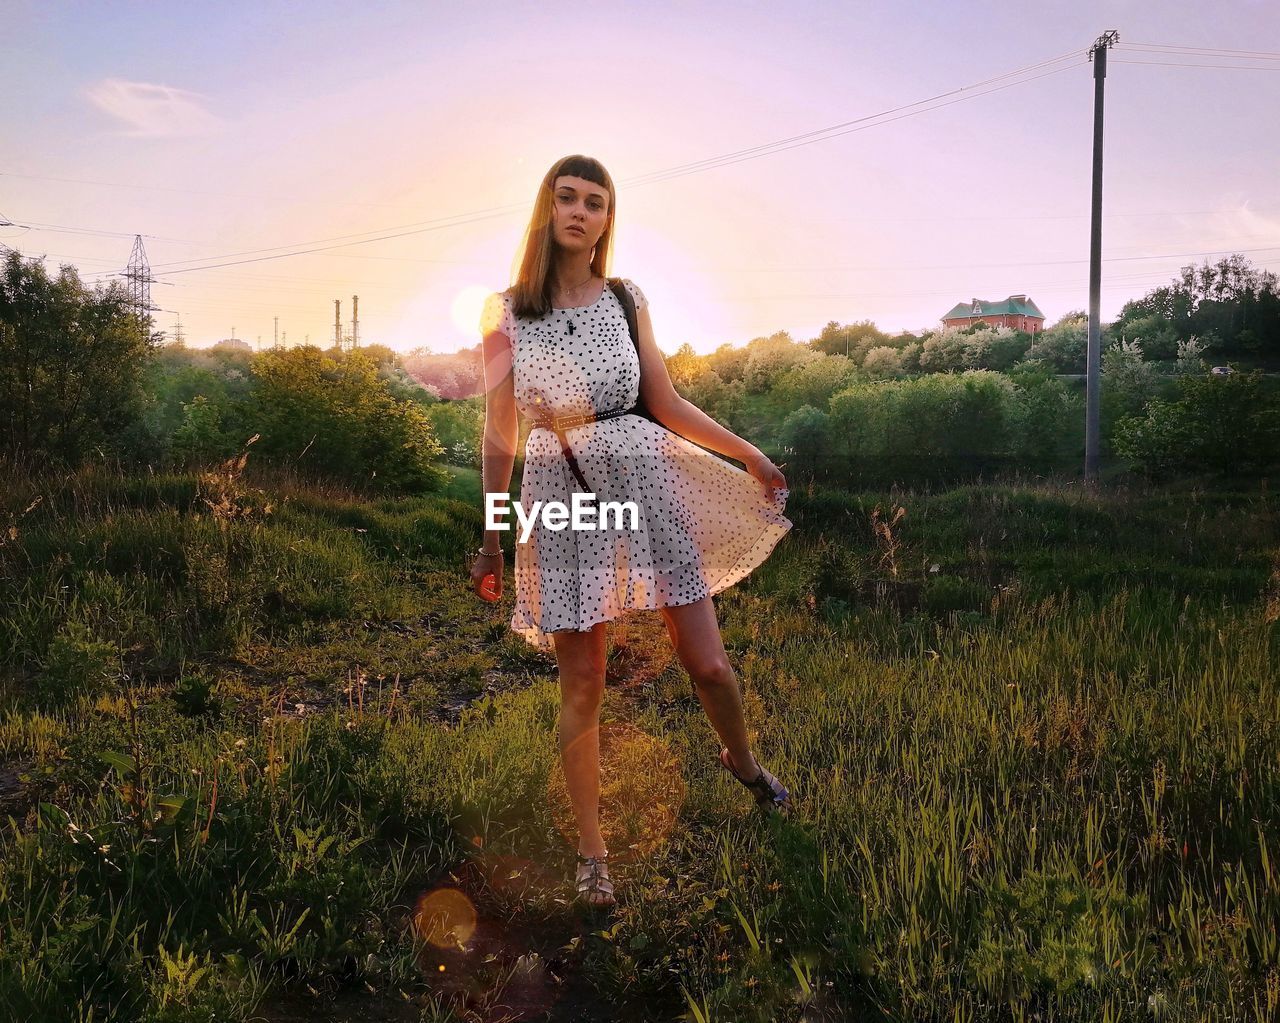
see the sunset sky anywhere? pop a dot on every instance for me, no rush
(234, 131)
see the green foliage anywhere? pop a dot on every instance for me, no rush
(853, 340)
(883, 362)
(1231, 305)
(1049, 933)
(1064, 346)
(77, 663)
(1001, 800)
(71, 361)
(459, 427)
(914, 424)
(803, 438)
(337, 418)
(768, 358)
(1223, 425)
(812, 381)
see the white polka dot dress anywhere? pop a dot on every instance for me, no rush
(702, 522)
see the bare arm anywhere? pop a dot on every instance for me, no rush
(685, 418)
(501, 427)
(677, 413)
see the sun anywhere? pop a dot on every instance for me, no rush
(468, 304)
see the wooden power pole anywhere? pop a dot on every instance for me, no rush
(1094, 359)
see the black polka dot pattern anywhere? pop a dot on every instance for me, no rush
(703, 523)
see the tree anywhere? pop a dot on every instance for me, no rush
(1221, 424)
(852, 339)
(883, 362)
(1063, 346)
(71, 362)
(339, 418)
(684, 367)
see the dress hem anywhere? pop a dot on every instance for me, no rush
(750, 559)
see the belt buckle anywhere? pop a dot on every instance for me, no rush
(566, 422)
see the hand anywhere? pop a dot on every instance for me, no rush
(486, 576)
(767, 473)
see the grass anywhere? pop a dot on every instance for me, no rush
(264, 755)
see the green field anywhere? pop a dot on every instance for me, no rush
(263, 755)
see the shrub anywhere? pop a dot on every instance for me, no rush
(1220, 424)
(338, 418)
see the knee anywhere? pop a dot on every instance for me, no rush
(582, 694)
(714, 673)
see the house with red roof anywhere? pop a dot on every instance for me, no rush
(1016, 311)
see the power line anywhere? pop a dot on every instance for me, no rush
(806, 269)
(821, 133)
(459, 220)
(1170, 63)
(1269, 54)
(187, 191)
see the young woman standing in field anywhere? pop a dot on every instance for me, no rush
(558, 349)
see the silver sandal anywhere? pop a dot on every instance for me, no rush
(592, 882)
(771, 795)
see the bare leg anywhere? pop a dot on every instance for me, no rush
(581, 658)
(695, 635)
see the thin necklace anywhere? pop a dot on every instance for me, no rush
(571, 310)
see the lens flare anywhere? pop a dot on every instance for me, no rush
(445, 917)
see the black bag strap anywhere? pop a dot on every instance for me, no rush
(629, 307)
(628, 304)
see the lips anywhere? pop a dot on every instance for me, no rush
(580, 231)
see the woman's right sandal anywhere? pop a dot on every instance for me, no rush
(771, 795)
(594, 886)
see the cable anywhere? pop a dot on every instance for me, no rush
(1270, 54)
(641, 179)
(187, 191)
(847, 131)
(1169, 63)
(463, 219)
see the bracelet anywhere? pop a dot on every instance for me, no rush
(489, 554)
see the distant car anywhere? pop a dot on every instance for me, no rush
(1222, 371)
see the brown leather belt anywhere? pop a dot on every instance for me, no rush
(558, 424)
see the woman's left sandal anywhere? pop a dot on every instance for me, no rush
(594, 887)
(771, 795)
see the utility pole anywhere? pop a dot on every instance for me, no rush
(337, 323)
(355, 321)
(276, 343)
(1093, 368)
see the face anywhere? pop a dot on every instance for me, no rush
(578, 203)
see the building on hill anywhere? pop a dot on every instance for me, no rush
(1016, 311)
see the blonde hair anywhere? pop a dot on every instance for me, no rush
(531, 292)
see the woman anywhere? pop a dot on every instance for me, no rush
(557, 343)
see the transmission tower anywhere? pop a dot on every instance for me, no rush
(178, 336)
(138, 274)
(355, 321)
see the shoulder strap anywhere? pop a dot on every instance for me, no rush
(628, 306)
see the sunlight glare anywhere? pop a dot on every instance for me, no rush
(466, 309)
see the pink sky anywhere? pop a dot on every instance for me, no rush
(248, 127)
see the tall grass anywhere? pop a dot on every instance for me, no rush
(1033, 733)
